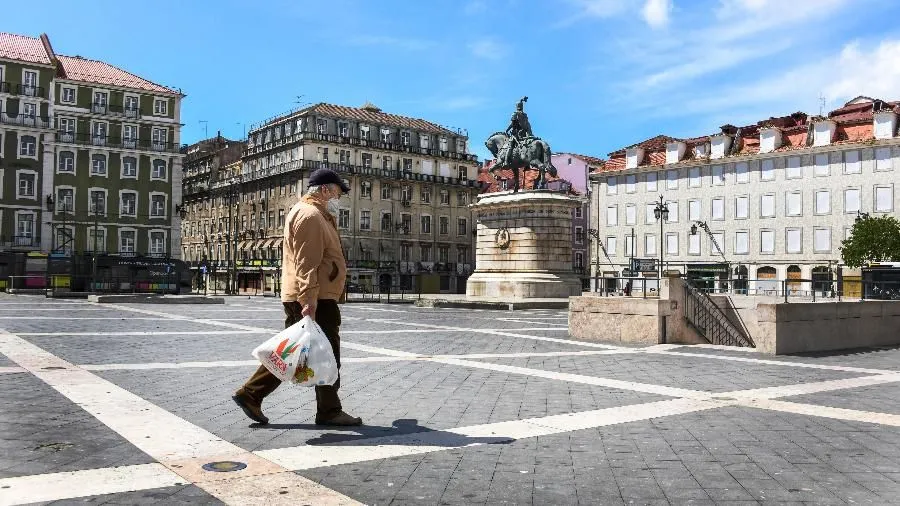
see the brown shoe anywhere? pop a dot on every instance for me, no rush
(251, 408)
(340, 419)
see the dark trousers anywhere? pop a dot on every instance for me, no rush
(328, 316)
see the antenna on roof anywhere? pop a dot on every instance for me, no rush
(822, 103)
(205, 128)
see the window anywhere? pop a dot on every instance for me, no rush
(98, 202)
(406, 193)
(425, 252)
(794, 204)
(579, 235)
(694, 210)
(365, 220)
(404, 138)
(611, 246)
(270, 219)
(98, 134)
(851, 200)
(386, 191)
(884, 199)
(630, 183)
(65, 200)
(630, 214)
(365, 189)
(101, 100)
(159, 137)
(129, 136)
(767, 241)
(129, 166)
(445, 198)
(793, 240)
(444, 254)
(741, 243)
(767, 170)
(823, 202)
(386, 163)
(426, 224)
(718, 208)
(158, 206)
(742, 208)
(159, 170)
(462, 199)
(694, 177)
(793, 170)
(612, 216)
(611, 185)
(579, 212)
(344, 218)
(128, 206)
(822, 240)
(579, 260)
(126, 242)
(426, 195)
(68, 95)
(651, 181)
(883, 159)
(741, 172)
(767, 206)
(30, 80)
(442, 143)
(98, 165)
(650, 245)
(672, 179)
(366, 159)
(96, 239)
(132, 106)
(28, 146)
(157, 243)
(444, 225)
(718, 175)
(407, 164)
(29, 110)
(66, 161)
(160, 107)
(648, 216)
(25, 226)
(461, 226)
(405, 252)
(423, 141)
(385, 136)
(66, 128)
(462, 172)
(851, 162)
(406, 222)
(671, 243)
(694, 244)
(673, 211)
(821, 165)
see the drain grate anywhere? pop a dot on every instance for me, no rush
(225, 466)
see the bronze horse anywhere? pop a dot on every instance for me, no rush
(534, 155)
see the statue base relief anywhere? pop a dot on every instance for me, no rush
(524, 246)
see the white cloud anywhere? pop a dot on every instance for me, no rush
(488, 49)
(656, 12)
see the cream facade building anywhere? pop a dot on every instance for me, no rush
(777, 198)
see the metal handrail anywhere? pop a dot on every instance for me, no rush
(700, 310)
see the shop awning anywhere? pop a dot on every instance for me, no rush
(243, 245)
(268, 243)
(278, 242)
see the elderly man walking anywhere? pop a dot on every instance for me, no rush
(312, 282)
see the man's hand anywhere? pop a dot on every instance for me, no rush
(309, 310)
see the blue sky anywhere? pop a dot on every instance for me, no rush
(599, 74)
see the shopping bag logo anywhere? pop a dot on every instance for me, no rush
(283, 351)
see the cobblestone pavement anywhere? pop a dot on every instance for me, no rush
(123, 404)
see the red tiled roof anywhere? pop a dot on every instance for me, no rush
(21, 48)
(371, 114)
(77, 68)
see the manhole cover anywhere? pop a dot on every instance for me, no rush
(52, 368)
(224, 466)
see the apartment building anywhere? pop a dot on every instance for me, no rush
(90, 155)
(405, 224)
(753, 204)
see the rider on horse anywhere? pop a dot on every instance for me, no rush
(519, 131)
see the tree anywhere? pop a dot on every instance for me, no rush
(872, 240)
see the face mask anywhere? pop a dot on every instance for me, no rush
(333, 205)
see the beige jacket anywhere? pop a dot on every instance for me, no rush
(313, 265)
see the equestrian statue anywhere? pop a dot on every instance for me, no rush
(518, 148)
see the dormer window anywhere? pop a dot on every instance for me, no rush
(633, 157)
(385, 135)
(404, 138)
(343, 129)
(701, 150)
(423, 141)
(885, 124)
(675, 151)
(769, 139)
(321, 126)
(719, 144)
(364, 132)
(823, 132)
(443, 143)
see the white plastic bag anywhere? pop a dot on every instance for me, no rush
(300, 354)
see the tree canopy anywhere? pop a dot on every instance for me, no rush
(872, 239)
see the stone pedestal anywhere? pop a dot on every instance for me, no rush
(524, 246)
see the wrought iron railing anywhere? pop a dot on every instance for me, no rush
(710, 321)
(27, 120)
(85, 139)
(23, 89)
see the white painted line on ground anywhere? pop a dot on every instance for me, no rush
(145, 333)
(812, 388)
(75, 484)
(42, 308)
(11, 370)
(381, 309)
(745, 349)
(179, 445)
(763, 361)
(851, 415)
(168, 365)
(314, 456)
(77, 318)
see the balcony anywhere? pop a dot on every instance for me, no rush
(22, 89)
(20, 241)
(25, 120)
(355, 141)
(110, 142)
(115, 110)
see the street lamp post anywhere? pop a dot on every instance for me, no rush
(661, 213)
(595, 235)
